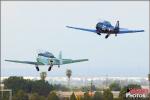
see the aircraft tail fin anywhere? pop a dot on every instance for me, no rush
(117, 25)
(60, 57)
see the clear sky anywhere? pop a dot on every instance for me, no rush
(28, 27)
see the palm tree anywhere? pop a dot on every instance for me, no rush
(43, 75)
(68, 74)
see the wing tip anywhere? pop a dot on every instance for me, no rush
(85, 59)
(140, 30)
(68, 26)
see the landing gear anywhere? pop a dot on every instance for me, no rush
(99, 33)
(37, 68)
(50, 67)
(107, 36)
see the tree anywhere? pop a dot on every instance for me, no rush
(85, 88)
(107, 94)
(16, 83)
(73, 97)
(98, 96)
(34, 96)
(43, 75)
(115, 87)
(20, 95)
(41, 87)
(68, 74)
(52, 96)
(29, 86)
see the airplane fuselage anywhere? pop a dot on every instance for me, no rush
(52, 61)
(106, 28)
(47, 61)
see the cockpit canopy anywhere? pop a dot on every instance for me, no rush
(104, 24)
(46, 54)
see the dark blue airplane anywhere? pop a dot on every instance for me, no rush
(105, 27)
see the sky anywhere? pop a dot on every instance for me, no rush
(29, 27)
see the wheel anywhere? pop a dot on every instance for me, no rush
(49, 69)
(106, 36)
(37, 68)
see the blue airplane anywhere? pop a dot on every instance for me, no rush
(48, 58)
(105, 27)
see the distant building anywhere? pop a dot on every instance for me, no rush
(2, 90)
(64, 95)
(1, 86)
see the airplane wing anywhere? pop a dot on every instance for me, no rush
(68, 61)
(79, 60)
(83, 29)
(124, 30)
(24, 62)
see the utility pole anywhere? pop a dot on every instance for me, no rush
(91, 87)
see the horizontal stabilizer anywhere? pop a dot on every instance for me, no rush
(69, 61)
(123, 31)
(79, 60)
